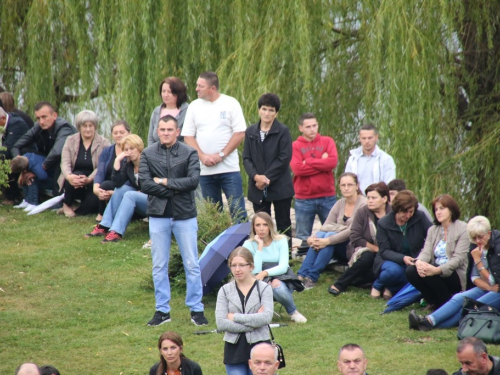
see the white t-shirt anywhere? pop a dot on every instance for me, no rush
(213, 124)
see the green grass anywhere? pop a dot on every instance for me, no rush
(83, 307)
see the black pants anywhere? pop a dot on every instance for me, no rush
(12, 192)
(106, 185)
(436, 290)
(281, 214)
(89, 201)
(360, 273)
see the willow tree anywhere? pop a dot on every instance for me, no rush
(425, 73)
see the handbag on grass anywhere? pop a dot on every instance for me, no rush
(277, 347)
(481, 321)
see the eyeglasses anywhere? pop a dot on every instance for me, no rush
(479, 237)
(234, 266)
(344, 186)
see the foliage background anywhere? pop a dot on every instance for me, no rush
(425, 72)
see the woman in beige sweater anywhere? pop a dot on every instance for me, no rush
(439, 271)
(333, 237)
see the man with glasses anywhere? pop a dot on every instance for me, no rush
(313, 159)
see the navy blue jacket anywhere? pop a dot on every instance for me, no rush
(16, 128)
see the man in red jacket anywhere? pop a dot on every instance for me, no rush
(313, 159)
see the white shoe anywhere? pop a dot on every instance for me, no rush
(29, 207)
(298, 317)
(23, 204)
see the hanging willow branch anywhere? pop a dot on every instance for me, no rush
(426, 76)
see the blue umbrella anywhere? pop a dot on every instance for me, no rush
(213, 263)
(405, 297)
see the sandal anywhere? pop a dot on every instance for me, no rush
(387, 294)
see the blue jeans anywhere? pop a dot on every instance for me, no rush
(392, 276)
(133, 201)
(160, 231)
(231, 184)
(449, 314)
(283, 295)
(316, 261)
(306, 210)
(238, 369)
(114, 204)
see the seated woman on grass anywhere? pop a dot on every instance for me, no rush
(400, 237)
(440, 269)
(333, 237)
(127, 199)
(79, 159)
(363, 246)
(103, 182)
(486, 258)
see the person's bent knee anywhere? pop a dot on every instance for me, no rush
(275, 283)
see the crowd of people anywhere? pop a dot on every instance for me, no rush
(377, 227)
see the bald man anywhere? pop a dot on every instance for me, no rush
(28, 369)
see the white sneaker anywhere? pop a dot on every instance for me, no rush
(29, 207)
(298, 317)
(23, 204)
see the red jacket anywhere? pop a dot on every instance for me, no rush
(314, 178)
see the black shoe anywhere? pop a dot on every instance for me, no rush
(198, 318)
(333, 291)
(159, 318)
(419, 322)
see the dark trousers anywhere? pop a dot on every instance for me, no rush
(89, 201)
(106, 185)
(360, 273)
(436, 290)
(11, 191)
(281, 214)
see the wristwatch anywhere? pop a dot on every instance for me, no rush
(221, 154)
(160, 181)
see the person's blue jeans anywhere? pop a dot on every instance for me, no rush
(283, 295)
(306, 210)
(231, 184)
(133, 201)
(160, 231)
(114, 204)
(449, 314)
(238, 369)
(392, 276)
(316, 261)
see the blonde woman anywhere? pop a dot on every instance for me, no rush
(127, 197)
(270, 251)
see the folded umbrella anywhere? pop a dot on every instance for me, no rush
(405, 297)
(47, 204)
(213, 261)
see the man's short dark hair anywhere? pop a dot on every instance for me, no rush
(306, 116)
(351, 347)
(477, 345)
(397, 184)
(211, 78)
(436, 371)
(49, 370)
(270, 100)
(168, 118)
(369, 127)
(19, 164)
(40, 105)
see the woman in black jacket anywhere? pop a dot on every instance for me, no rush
(172, 359)
(400, 237)
(266, 156)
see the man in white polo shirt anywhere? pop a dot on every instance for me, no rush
(215, 126)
